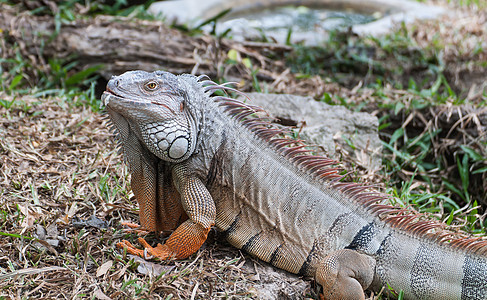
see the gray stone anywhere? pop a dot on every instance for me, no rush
(327, 126)
(389, 13)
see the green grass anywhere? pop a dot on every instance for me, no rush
(21, 77)
(480, 4)
(409, 151)
(382, 59)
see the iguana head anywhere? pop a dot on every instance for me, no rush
(154, 106)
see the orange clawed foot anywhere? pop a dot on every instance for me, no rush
(161, 252)
(183, 242)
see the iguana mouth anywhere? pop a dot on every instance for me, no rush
(108, 90)
(105, 97)
(108, 94)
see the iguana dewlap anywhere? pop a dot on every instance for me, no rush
(199, 160)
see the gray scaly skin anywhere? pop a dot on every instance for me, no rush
(199, 160)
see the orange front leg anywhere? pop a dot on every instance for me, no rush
(183, 242)
(191, 234)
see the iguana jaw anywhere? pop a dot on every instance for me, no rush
(107, 96)
(112, 100)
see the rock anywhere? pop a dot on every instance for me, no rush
(387, 14)
(327, 126)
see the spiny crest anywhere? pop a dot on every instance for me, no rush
(328, 172)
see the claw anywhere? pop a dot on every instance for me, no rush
(147, 256)
(130, 248)
(131, 225)
(161, 252)
(134, 228)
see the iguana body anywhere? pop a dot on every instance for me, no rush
(199, 160)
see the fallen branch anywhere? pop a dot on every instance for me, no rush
(122, 44)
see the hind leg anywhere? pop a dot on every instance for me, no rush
(345, 274)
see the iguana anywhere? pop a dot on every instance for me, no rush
(200, 159)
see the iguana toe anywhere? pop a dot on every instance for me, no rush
(132, 227)
(161, 251)
(124, 244)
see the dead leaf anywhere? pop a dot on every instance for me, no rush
(103, 269)
(150, 268)
(30, 216)
(100, 295)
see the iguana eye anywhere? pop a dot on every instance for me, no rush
(151, 85)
